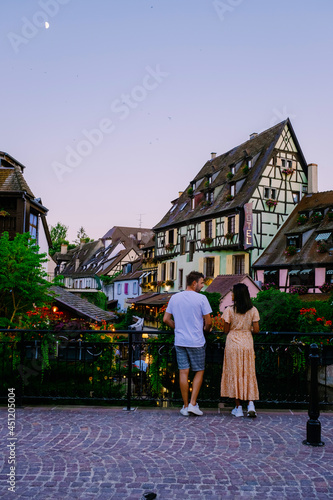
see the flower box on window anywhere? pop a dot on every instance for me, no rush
(230, 197)
(229, 236)
(326, 287)
(290, 250)
(230, 176)
(271, 203)
(316, 217)
(301, 219)
(287, 171)
(322, 246)
(245, 169)
(169, 283)
(207, 240)
(298, 290)
(169, 247)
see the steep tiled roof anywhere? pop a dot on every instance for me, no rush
(11, 176)
(121, 233)
(274, 254)
(224, 283)
(259, 149)
(153, 299)
(80, 306)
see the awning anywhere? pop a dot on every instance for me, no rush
(266, 272)
(306, 271)
(330, 271)
(322, 236)
(273, 272)
(294, 271)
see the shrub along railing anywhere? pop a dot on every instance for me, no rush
(98, 367)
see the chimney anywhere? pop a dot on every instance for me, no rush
(212, 156)
(253, 135)
(77, 264)
(63, 248)
(312, 178)
(180, 193)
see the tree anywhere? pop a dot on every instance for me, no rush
(22, 283)
(58, 235)
(82, 235)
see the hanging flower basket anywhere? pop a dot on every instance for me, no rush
(290, 250)
(287, 171)
(301, 219)
(271, 203)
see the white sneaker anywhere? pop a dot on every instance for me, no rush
(239, 412)
(195, 409)
(251, 411)
(184, 411)
(234, 411)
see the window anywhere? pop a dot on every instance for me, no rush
(135, 288)
(171, 236)
(33, 225)
(208, 229)
(272, 277)
(239, 264)
(119, 289)
(295, 196)
(283, 162)
(294, 241)
(232, 169)
(210, 196)
(270, 193)
(329, 276)
(302, 277)
(231, 224)
(182, 245)
(209, 267)
(163, 271)
(192, 203)
(172, 271)
(180, 278)
(126, 288)
(232, 189)
(191, 251)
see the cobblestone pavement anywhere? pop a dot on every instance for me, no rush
(107, 453)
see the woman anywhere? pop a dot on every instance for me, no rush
(239, 376)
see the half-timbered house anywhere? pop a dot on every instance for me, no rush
(232, 208)
(299, 259)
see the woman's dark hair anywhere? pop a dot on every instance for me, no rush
(242, 300)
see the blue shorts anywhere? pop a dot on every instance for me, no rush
(191, 357)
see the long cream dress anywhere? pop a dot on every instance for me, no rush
(239, 374)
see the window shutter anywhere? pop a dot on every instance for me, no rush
(203, 232)
(224, 221)
(166, 242)
(216, 265)
(214, 228)
(236, 223)
(247, 264)
(159, 272)
(229, 265)
(201, 265)
(167, 271)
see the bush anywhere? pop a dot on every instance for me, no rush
(278, 310)
(214, 301)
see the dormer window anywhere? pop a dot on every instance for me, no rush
(209, 196)
(294, 240)
(232, 169)
(232, 189)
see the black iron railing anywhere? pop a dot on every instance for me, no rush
(107, 367)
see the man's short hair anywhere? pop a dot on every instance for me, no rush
(193, 276)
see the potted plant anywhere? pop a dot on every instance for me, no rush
(290, 250)
(245, 169)
(230, 176)
(230, 197)
(271, 203)
(287, 171)
(301, 219)
(190, 191)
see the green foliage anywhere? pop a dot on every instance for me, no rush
(323, 308)
(99, 299)
(81, 235)
(278, 310)
(107, 280)
(58, 235)
(22, 283)
(214, 301)
(125, 319)
(58, 280)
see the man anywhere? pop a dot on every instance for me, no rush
(191, 312)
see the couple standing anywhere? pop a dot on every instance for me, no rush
(188, 314)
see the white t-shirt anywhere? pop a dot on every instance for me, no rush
(187, 308)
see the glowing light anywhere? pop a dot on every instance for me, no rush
(47, 25)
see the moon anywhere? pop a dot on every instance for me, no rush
(47, 25)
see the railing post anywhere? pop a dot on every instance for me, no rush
(20, 394)
(313, 426)
(129, 371)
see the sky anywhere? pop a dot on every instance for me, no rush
(114, 106)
